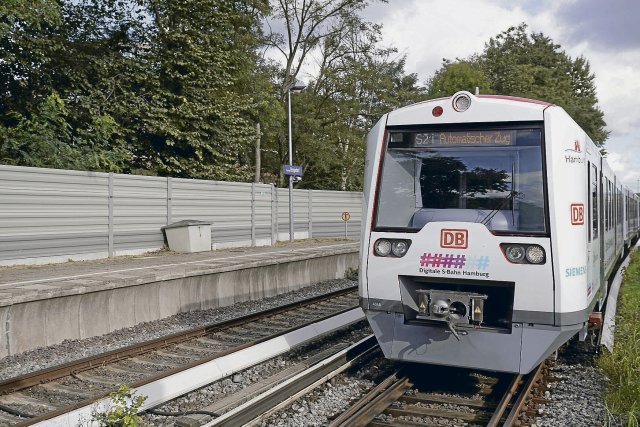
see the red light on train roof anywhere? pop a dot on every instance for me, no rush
(437, 111)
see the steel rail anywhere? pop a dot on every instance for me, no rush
(374, 402)
(504, 402)
(524, 394)
(34, 378)
(261, 407)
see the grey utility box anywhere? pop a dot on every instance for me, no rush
(188, 236)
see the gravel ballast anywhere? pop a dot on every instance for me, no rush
(576, 391)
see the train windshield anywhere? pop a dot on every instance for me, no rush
(489, 176)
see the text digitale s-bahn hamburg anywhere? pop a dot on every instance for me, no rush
(491, 225)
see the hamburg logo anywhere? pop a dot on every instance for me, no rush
(457, 238)
(569, 158)
(576, 147)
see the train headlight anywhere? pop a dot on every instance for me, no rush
(461, 102)
(391, 247)
(399, 247)
(382, 247)
(523, 253)
(535, 254)
(515, 253)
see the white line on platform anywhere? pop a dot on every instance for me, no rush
(199, 376)
(78, 276)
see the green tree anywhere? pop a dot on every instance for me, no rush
(356, 84)
(39, 118)
(192, 118)
(27, 42)
(532, 66)
(151, 86)
(306, 24)
(456, 76)
(45, 140)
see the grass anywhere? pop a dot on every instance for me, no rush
(622, 367)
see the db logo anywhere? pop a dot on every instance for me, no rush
(577, 214)
(454, 238)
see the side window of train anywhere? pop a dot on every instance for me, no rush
(605, 202)
(589, 201)
(613, 206)
(594, 202)
(609, 198)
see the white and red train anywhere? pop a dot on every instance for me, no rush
(491, 225)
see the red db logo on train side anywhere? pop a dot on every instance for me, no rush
(577, 214)
(454, 238)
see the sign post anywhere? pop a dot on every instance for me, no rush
(346, 216)
(291, 171)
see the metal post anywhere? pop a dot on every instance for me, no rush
(169, 197)
(253, 214)
(291, 228)
(274, 214)
(110, 238)
(310, 195)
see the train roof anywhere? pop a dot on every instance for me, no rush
(482, 108)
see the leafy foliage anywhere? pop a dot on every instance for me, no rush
(355, 83)
(532, 66)
(123, 409)
(184, 89)
(147, 85)
(456, 76)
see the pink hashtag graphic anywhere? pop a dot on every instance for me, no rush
(458, 261)
(428, 260)
(447, 261)
(455, 261)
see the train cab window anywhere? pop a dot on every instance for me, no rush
(489, 176)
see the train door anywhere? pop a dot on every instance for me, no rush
(594, 249)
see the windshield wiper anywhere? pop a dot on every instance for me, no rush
(512, 194)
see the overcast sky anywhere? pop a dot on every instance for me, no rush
(606, 32)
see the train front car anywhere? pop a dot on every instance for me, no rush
(458, 266)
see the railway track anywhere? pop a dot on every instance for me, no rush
(442, 396)
(408, 397)
(39, 396)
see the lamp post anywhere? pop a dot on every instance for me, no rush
(294, 87)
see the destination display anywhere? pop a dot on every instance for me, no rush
(473, 137)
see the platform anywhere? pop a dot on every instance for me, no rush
(44, 305)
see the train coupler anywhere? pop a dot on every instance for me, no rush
(453, 308)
